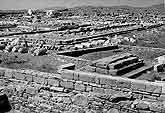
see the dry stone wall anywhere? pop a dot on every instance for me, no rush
(139, 96)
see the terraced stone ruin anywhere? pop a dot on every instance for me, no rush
(124, 65)
(82, 60)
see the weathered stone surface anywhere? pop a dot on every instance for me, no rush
(149, 97)
(39, 80)
(9, 73)
(31, 90)
(88, 77)
(144, 111)
(67, 84)
(122, 63)
(142, 105)
(102, 64)
(162, 97)
(98, 90)
(107, 81)
(113, 111)
(90, 68)
(138, 86)
(113, 72)
(67, 74)
(150, 88)
(76, 75)
(157, 107)
(102, 71)
(137, 96)
(58, 89)
(80, 100)
(109, 91)
(2, 72)
(53, 82)
(79, 87)
(123, 84)
(158, 90)
(19, 76)
(29, 78)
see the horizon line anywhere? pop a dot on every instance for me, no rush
(66, 7)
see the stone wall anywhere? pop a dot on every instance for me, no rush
(118, 88)
(143, 95)
(76, 53)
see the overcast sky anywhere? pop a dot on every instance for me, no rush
(23, 4)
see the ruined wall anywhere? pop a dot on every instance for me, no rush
(142, 96)
(76, 53)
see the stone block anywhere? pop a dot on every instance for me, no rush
(107, 81)
(142, 106)
(19, 76)
(113, 72)
(67, 84)
(80, 100)
(67, 74)
(162, 97)
(98, 90)
(9, 73)
(109, 91)
(39, 80)
(138, 86)
(88, 77)
(144, 111)
(90, 68)
(102, 64)
(53, 82)
(150, 88)
(123, 83)
(158, 90)
(76, 75)
(2, 72)
(31, 90)
(107, 86)
(88, 88)
(122, 63)
(137, 96)
(59, 89)
(29, 78)
(157, 107)
(79, 87)
(102, 71)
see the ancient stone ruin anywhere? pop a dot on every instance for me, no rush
(124, 65)
(103, 86)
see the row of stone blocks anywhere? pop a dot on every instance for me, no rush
(81, 79)
(106, 81)
(114, 72)
(115, 65)
(109, 81)
(88, 82)
(109, 62)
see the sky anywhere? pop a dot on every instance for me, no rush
(38, 4)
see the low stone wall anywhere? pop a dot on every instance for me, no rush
(119, 89)
(76, 53)
(77, 61)
(143, 95)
